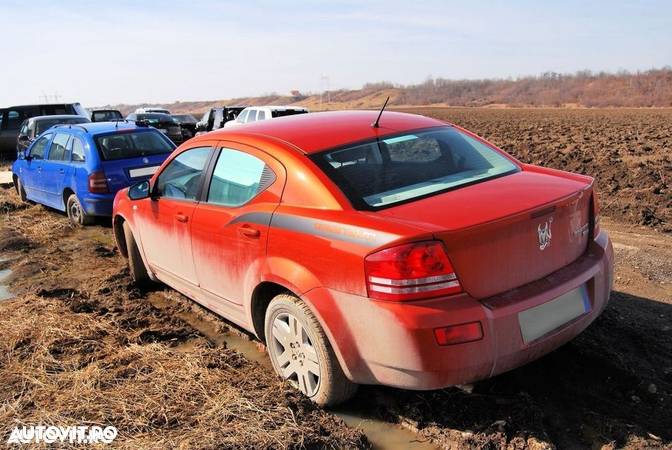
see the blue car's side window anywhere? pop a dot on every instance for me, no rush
(77, 150)
(40, 146)
(57, 151)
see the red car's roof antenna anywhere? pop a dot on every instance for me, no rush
(375, 124)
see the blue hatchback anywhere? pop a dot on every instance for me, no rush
(79, 168)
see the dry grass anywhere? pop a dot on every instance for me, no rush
(60, 367)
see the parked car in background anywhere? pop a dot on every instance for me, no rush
(455, 262)
(33, 127)
(79, 168)
(11, 119)
(165, 123)
(188, 124)
(105, 115)
(257, 113)
(152, 109)
(215, 118)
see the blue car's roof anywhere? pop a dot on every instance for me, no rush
(95, 128)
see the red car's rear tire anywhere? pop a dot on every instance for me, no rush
(298, 348)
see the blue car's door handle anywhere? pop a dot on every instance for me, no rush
(61, 170)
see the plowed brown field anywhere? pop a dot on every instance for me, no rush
(628, 150)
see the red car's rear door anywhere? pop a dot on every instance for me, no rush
(230, 226)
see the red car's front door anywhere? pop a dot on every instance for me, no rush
(165, 221)
(230, 226)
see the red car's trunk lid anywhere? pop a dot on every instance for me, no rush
(507, 232)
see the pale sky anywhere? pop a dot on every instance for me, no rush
(107, 52)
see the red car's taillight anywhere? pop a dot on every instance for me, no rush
(98, 183)
(596, 212)
(410, 271)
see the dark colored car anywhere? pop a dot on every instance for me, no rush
(12, 118)
(162, 122)
(217, 117)
(188, 124)
(105, 115)
(33, 127)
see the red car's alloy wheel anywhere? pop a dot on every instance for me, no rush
(293, 351)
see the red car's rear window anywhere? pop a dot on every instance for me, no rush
(409, 166)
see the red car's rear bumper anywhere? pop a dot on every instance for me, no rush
(393, 343)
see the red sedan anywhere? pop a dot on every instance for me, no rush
(411, 254)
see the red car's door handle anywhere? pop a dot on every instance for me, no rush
(181, 218)
(248, 231)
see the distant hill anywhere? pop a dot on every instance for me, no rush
(651, 88)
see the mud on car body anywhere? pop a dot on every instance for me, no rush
(413, 254)
(79, 168)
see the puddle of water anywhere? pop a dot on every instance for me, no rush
(384, 435)
(4, 290)
(250, 348)
(381, 434)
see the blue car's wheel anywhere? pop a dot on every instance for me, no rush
(76, 213)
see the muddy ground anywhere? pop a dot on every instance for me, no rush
(82, 345)
(628, 150)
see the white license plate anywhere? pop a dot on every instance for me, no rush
(142, 172)
(540, 320)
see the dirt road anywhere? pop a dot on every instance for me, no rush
(80, 344)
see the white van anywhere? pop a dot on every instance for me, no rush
(255, 113)
(151, 109)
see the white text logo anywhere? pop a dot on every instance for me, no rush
(72, 435)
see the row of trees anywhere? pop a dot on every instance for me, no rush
(649, 88)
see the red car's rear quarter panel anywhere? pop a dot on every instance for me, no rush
(327, 247)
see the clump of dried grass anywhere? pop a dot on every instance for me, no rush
(39, 223)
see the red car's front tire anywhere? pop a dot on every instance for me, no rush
(135, 263)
